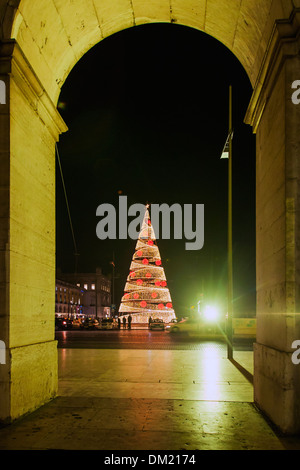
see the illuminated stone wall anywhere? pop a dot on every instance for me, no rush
(55, 34)
(277, 120)
(28, 268)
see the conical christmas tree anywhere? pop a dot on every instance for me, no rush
(146, 293)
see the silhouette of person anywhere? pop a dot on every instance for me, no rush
(129, 322)
(124, 322)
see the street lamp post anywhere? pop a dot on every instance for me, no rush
(227, 153)
(112, 300)
(230, 269)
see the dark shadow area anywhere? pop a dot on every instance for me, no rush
(243, 371)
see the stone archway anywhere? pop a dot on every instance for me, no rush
(41, 41)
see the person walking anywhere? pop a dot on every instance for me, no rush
(129, 322)
(124, 322)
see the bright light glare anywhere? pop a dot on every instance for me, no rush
(211, 313)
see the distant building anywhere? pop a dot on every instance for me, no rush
(96, 289)
(68, 299)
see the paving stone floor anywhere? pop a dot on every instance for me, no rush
(127, 399)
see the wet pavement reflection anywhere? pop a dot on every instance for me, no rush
(143, 339)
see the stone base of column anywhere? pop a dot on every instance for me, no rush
(28, 380)
(277, 387)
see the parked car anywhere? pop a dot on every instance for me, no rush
(89, 324)
(186, 326)
(195, 327)
(76, 324)
(107, 324)
(94, 324)
(157, 324)
(62, 323)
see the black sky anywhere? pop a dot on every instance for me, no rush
(147, 111)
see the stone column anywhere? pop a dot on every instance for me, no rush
(29, 128)
(276, 120)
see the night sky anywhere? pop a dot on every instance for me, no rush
(147, 111)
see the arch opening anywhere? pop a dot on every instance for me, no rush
(151, 126)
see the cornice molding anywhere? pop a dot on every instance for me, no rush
(284, 43)
(14, 63)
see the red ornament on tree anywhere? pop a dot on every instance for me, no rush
(150, 242)
(139, 253)
(160, 306)
(169, 305)
(154, 295)
(143, 303)
(158, 262)
(136, 295)
(145, 261)
(139, 282)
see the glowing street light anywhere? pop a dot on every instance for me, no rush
(211, 313)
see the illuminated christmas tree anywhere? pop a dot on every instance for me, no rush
(146, 293)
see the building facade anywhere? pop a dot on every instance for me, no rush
(68, 299)
(96, 292)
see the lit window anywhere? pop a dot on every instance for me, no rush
(93, 286)
(78, 285)
(85, 286)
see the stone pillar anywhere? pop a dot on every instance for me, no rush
(276, 120)
(29, 128)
